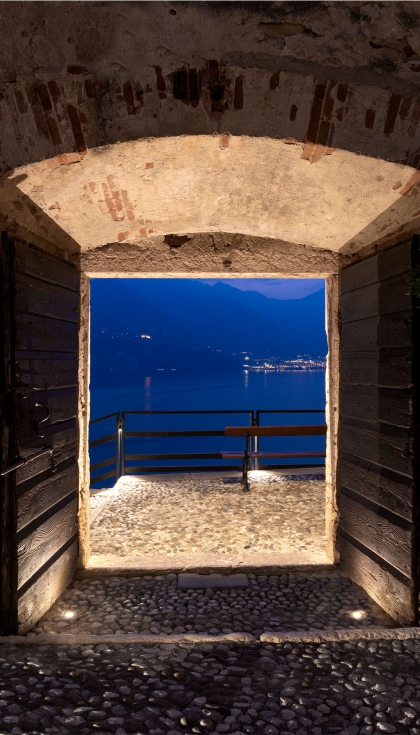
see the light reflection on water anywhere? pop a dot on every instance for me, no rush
(177, 391)
(222, 392)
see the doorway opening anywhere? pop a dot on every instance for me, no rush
(174, 362)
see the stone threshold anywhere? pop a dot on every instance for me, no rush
(258, 563)
(322, 636)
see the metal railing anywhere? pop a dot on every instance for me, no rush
(120, 457)
(114, 458)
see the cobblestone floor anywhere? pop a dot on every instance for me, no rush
(154, 604)
(358, 688)
(193, 515)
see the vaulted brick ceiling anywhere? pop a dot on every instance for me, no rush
(295, 121)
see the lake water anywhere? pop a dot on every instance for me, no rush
(243, 391)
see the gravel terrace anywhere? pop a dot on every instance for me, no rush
(155, 604)
(348, 688)
(198, 515)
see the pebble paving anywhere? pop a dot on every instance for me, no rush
(358, 688)
(154, 604)
(187, 515)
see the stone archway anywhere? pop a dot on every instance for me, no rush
(136, 147)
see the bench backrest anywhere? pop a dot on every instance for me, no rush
(316, 430)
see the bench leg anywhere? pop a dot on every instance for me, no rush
(245, 468)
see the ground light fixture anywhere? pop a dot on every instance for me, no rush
(69, 614)
(357, 614)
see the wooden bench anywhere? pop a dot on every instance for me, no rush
(248, 431)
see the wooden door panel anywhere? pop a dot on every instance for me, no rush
(45, 370)
(42, 383)
(42, 538)
(37, 495)
(382, 298)
(40, 333)
(384, 487)
(379, 496)
(381, 444)
(387, 367)
(390, 330)
(34, 262)
(34, 600)
(378, 268)
(393, 591)
(45, 299)
(392, 406)
(385, 533)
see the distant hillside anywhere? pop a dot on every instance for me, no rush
(192, 326)
(217, 319)
(303, 317)
(119, 316)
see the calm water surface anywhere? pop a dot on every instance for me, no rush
(173, 391)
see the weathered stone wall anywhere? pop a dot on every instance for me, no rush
(91, 89)
(77, 77)
(216, 254)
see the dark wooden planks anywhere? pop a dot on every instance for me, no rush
(384, 405)
(387, 367)
(35, 332)
(62, 437)
(382, 444)
(45, 370)
(390, 330)
(389, 489)
(43, 520)
(31, 261)
(385, 265)
(7, 600)
(61, 404)
(396, 595)
(388, 535)
(35, 549)
(44, 413)
(34, 499)
(376, 299)
(33, 296)
(378, 499)
(40, 596)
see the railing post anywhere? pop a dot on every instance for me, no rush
(118, 452)
(254, 422)
(257, 441)
(122, 434)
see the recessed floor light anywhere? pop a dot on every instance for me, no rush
(357, 614)
(69, 614)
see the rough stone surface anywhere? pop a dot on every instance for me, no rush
(151, 517)
(211, 581)
(155, 605)
(134, 204)
(357, 688)
(275, 99)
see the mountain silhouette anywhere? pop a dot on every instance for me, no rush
(191, 326)
(303, 317)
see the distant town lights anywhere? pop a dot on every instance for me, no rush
(145, 336)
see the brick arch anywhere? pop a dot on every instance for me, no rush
(139, 192)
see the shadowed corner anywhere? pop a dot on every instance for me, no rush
(22, 217)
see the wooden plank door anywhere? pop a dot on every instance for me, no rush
(39, 389)
(379, 500)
